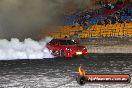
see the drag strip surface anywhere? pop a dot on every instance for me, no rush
(60, 72)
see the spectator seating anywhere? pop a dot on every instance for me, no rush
(65, 31)
(126, 18)
(106, 30)
(109, 30)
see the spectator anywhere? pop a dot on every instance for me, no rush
(85, 25)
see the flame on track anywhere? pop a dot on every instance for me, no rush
(81, 71)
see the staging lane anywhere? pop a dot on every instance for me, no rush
(47, 72)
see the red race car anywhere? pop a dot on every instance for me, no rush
(66, 48)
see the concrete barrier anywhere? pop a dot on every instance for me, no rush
(109, 49)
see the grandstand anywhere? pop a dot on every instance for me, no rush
(119, 25)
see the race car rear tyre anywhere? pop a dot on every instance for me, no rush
(62, 53)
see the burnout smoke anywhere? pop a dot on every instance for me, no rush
(28, 49)
(26, 18)
(21, 19)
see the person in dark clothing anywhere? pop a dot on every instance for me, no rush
(85, 25)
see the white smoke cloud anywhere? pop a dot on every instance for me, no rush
(26, 18)
(28, 49)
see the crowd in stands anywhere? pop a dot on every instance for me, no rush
(110, 20)
(112, 13)
(117, 17)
